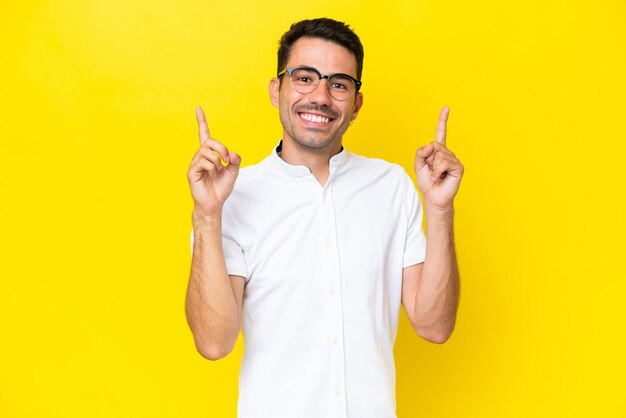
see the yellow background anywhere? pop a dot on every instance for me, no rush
(97, 130)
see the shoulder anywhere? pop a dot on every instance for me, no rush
(376, 167)
(251, 171)
(256, 183)
(251, 174)
(380, 176)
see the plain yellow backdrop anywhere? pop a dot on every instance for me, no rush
(97, 130)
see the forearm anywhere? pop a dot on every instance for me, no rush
(437, 296)
(211, 307)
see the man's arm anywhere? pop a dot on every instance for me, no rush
(430, 291)
(213, 305)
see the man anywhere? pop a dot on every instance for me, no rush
(319, 246)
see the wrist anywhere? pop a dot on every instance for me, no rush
(439, 219)
(444, 212)
(204, 221)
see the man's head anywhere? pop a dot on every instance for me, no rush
(316, 111)
(326, 29)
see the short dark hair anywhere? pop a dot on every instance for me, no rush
(322, 28)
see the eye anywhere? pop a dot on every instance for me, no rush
(338, 86)
(340, 82)
(303, 76)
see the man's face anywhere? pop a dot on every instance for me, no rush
(316, 120)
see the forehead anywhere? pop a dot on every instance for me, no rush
(328, 57)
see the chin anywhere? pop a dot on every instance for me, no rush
(315, 144)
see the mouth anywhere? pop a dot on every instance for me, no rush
(314, 118)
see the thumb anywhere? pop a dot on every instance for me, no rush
(421, 155)
(234, 163)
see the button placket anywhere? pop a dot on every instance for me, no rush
(335, 302)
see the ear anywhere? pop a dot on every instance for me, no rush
(358, 102)
(274, 90)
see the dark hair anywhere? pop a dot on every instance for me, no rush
(326, 29)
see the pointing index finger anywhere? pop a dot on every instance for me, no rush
(203, 128)
(440, 134)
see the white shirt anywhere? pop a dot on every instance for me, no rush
(323, 269)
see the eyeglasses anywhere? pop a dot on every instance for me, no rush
(306, 79)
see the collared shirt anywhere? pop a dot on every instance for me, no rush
(323, 268)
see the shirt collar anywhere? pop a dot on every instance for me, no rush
(301, 170)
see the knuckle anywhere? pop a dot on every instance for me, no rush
(219, 148)
(212, 156)
(194, 161)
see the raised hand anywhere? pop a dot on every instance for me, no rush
(209, 180)
(437, 169)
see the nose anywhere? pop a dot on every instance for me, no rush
(321, 94)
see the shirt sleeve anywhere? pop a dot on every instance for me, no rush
(415, 245)
(233, 256)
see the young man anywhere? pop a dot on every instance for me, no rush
(319, 246)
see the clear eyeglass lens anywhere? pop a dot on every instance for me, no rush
(305, 81)
(341, 87)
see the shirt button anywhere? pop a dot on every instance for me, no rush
(339, 392)
(332, 290)
(334, 340)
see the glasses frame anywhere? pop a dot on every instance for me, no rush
(289, 71)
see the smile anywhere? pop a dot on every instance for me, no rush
(314, 118)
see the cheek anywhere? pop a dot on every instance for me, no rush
(348, 111)
(284, 110)
(286, 101)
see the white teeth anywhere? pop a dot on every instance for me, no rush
(314, 118)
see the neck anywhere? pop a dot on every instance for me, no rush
(315, 160)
